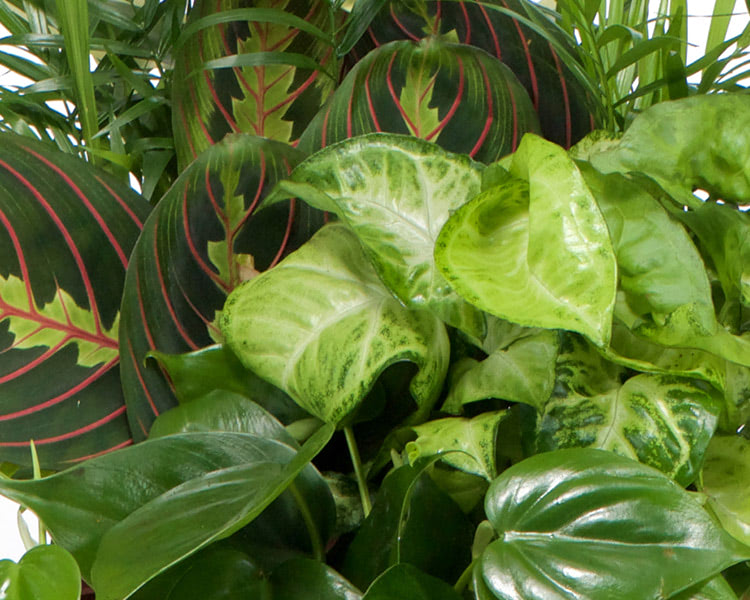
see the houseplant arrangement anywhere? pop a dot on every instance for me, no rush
(417, 301)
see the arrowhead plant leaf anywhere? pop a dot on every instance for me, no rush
(534, 250)
(66, 232)
(322, 327)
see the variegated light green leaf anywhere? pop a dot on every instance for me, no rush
(536, 249)
(466, 444)
(322, 327)
(725, 479)
(664, 422)
(522, 372)
(396, 193)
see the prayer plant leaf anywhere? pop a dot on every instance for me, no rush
(43, 573)
(454, 95)
(466, 444)
(201, 241)
(521, 372)
(395, 193)
(81, 504)
(222, 501)
(275, 98)
(502, 29)
(322, 327)
(696, 142)
(583, 521)
(665, 422)
(66, 232)
(534, 250)
(725, 480)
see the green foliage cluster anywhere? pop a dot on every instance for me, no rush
(367, 333)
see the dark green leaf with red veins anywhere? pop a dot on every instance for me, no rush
(271, 100)
(563, 105)
(454, 95)
(66, 231)
(201, 241)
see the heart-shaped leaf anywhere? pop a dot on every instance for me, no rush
(583, 521)
(455, 95)
(322, 327)
(43, 573)
(536, 249)
(665, 422)
(201, 241)
(406, 582)
(396, 193)
(66, 232)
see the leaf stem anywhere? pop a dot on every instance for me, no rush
(364, 493)
(465, 577)
(312, 530)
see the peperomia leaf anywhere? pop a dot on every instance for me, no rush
(455, 95)
(43, 573)
(725, 479)
(696, 142)
(584, 521)
(222, 501)
(401, 529)
(81, 504)
(274, 98)
(66, 232)
(396, 193)
(406, 582)
(665, 422)
(534, 250)
(466, 444)
(202, 240)
(322, 327)
(522, 372)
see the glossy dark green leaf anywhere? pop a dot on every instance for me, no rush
(725, 479)
(402, 529)
(222, 501)
(454, 95)
(715, 588)
(583, 521)
(665, 422)
(405, 582)
(322, 327)
(521, 372)
(81, 504)
(305, 579)
(202, 240)
(66, 232)
(684, 144)
(270, 98)
(43, 573)
(221, 411)
(503, 29)
(545, 230)
(395, 193)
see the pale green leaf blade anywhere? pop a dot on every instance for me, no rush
(322, 327)
(535, 250)
(661, 421)
(396, 192)
(725, 480)
(43, 573)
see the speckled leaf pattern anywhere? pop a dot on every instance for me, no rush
(534, 250)
(202, 240)
(582, 522)
(66, 232)
(454, 95)
(557, 95)
(396, 193)
(322, 327)
(270, 100)
(665, 422)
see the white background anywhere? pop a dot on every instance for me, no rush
(10, 540)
